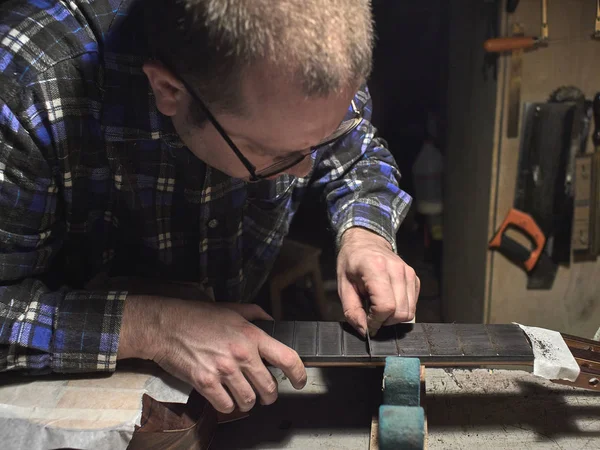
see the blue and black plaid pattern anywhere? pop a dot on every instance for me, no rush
(94, 179)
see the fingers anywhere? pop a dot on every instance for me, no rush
(284, 358)
(418, 290)
(264, 383)
(354, 308)
(411, 288)
(378, 287)
(240, 389)
(211, 388)
(406, 286)
(401, 298)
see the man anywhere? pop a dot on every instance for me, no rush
(174, 140)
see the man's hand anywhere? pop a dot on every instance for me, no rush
(213, 347)
(368, 267)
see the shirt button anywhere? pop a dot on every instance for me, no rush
(213, 223)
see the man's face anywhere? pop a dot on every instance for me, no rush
(278, 122)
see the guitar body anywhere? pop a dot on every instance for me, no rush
(170, 426)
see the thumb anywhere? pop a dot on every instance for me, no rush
(353, 306)
(248, 311)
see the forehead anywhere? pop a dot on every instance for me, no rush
(281, 118)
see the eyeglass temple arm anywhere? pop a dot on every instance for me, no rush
(249, 166)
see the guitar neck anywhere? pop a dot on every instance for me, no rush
(436, 345)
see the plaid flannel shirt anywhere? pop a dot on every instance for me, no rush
(94, 179)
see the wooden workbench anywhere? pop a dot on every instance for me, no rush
(500, 409)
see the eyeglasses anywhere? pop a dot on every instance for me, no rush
(280, 166)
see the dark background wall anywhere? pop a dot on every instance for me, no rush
(408, 80)
(409, 76)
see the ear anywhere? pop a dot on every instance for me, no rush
(168, 90)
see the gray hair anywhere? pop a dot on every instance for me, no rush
(322, 45)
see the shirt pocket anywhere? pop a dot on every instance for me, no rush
(267, 219)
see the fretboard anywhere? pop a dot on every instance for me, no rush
(436, 345)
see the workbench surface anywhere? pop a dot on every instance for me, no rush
(479, 409)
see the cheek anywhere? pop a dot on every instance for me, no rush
(302, 169)
(217, 154)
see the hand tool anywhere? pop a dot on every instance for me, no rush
(368, 333)
(586, 234)
(595, 213)
(369, 345)
(582, 215)
(597, 27)
(514, 90)
(596, 112)
(491, 12)
(565, 186)
(507, 44)
(511, 6)
(511, 248)
(499, 45)
(518, 217)
(582, 236)
(540, 191)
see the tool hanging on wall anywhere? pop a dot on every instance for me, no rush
(511, 6)
(514, 89)
(490, 60)
(582, 236)
(509, 44)
(539, 195)
(564, 194)
(597, 28)
(595, 225)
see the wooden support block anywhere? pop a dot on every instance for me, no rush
(401, 427)
(374, 437)
(423, 391)
(402, 381)
(402, 421)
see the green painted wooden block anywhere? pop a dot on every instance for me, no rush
(401, 427)
(402, 381)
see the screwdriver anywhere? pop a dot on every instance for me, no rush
(507, 44)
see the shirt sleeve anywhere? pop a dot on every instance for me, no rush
(45, 326)
(361, 180)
